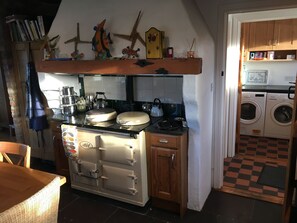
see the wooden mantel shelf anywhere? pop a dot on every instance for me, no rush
(122, 67)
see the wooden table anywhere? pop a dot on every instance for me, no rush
(19, 183)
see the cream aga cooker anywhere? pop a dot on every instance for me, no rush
(107, 161)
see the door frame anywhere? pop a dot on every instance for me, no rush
(227, 101)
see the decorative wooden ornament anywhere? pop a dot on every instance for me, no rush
(101, 41)
(128, 53)
(154, 43)
(134, 35)
(75, 54)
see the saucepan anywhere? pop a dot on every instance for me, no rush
(69, 109)
(69, 100)
(67, 91)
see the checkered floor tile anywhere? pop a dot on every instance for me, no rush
(243, 171)
(264, 147)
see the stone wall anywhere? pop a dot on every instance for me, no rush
(6, 61)
(9, 68)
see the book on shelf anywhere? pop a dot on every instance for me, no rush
(25, 28)
(33, 28)
(29, 29)
(21, 31)
(38, 29)
(41, 25)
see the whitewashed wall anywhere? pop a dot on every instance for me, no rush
(181, 21)
(213, 10)
(51, 85)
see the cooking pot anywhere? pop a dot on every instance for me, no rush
(156, 110)
(67, 91)
(68, 100)
(69, 109)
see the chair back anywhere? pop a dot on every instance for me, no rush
(22, 151)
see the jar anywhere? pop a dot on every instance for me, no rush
(81, 105)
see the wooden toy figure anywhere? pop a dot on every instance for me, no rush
(127, 52)
(101, 41)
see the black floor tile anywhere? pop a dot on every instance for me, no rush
(86, 210)
(266, 212)
(78, 206)
(123, 216)
(164, 215)
(193, 216)
(66, 196)
(229, 206)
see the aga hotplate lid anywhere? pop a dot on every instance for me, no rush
(101, 115)
(133, 118)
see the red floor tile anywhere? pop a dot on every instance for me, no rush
(243, 170)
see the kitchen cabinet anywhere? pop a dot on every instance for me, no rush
(260, 36)
(284, 35)
(167, 170)
(61, 160)
(244, 40)
(272, 35)
(123, 67)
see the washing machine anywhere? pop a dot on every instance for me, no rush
(279, 112)
(252, 113)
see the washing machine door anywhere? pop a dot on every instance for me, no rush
(282, 114)
(250, 112)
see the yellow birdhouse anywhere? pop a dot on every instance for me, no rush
(154, 43)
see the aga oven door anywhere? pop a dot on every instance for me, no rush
(118, 149)
(85, 167)
(118, 180)
(123, 171)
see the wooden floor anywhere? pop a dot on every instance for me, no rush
(241, 172)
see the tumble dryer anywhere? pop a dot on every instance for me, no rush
(252, 113)
(279, 112)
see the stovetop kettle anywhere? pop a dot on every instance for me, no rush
(157, 110)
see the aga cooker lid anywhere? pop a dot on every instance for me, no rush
(133, 118)
(101, 115)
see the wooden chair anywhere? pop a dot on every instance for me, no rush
(20, 151)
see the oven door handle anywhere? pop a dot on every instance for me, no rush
(291, 88)
(131, 161)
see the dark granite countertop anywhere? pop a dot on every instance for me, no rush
(80, 121)
(112, 125)
(267, 88)
(155, 129)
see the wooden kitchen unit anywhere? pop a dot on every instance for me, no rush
(271, 35)
(167, 157)
(61, 160)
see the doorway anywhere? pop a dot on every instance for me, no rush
(233, 49)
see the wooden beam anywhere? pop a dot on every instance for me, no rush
(123, 67)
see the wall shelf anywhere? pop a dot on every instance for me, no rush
(122, 67)
(274, 60)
